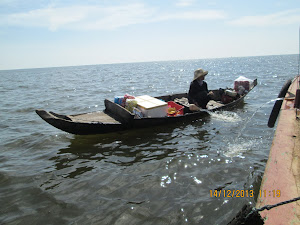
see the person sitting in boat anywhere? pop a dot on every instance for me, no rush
(198, 93)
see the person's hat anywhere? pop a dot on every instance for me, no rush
(200, 73)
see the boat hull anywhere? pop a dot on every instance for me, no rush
(80, 128)
(115, 118)
(281, 180)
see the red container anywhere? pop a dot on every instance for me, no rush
(179, 108)
(225, 99)
(245, 84)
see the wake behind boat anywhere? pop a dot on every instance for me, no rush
(118, 118)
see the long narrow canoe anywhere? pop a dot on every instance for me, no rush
(116, 118)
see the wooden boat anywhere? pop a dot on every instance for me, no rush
(116, 118)
(281, 180)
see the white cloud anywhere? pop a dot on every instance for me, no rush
(96, 17)
(281, 18)
(184, 3)
(114, 17)
(195, 15)
(48, 17)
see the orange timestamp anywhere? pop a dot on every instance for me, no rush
(231, 193)
(270, 193)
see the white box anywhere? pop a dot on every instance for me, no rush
(145, 97)
(151, 107)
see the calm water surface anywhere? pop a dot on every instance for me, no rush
(161, 175)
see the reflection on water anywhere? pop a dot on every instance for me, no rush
(128, 148)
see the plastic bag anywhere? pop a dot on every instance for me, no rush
(130, 104)
(127, 96)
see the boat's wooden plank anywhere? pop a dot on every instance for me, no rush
(100, 117)
(167, 98)
(281, 180)
(118, 112)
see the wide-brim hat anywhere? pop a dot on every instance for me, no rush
(200, 73)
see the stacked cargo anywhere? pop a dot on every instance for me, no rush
(147, 106)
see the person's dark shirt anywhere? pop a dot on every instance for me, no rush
(198, 94)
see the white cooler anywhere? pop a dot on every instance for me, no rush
(151, 107)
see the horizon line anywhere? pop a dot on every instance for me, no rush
(116, 63)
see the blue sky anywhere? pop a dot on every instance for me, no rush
(36, 34)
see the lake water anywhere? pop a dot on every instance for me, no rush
(161, 175)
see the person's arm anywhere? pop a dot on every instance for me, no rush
(205, 87)
(192, 93)
(210, 94)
